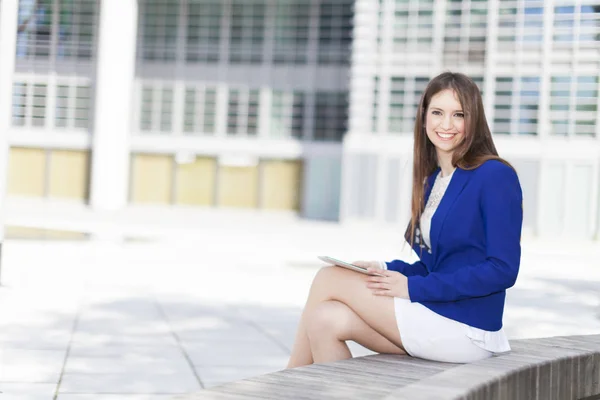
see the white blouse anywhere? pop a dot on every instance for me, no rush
(495, 342)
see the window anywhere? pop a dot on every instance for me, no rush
(589, 26)
(560, 98)
(413, 25)
(253, 108)
(380, 17)
(331, 116)
(199, 109)
(507, 27)
(479, 82)
(158, 30)
(375, 117)
(63, 30)
(335, 31)
(203, 31)
(528, 105)
(291, 32)
(503, 105)
(564, 23)
(247, 32)
(19, 114)
(397, 99)
(287, 114)
(243, 111)
(156, 109)
(29, 104)
(586, 105)
(465, 33)
(573, 105)
(210, 110)
(420, 85)
(233, 112)
(72, 106)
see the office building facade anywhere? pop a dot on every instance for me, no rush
(299, 105)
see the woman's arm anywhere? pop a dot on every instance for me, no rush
(502, 209)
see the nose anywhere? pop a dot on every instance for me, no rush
(447, 123)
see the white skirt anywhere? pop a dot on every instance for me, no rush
(428, 335)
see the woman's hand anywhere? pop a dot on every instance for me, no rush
(367, 264)
(392, 283)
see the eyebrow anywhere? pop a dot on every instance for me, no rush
(437, 108)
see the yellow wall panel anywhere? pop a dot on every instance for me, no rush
(69, 174)
(281, 183)
(27, 172)
(151, 178)
(238, 187)
(195, 182)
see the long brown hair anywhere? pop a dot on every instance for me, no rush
(476, 147)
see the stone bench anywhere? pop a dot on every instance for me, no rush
(550, 368)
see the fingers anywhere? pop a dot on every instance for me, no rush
(381, 285)
(378, 271)
(383, 293)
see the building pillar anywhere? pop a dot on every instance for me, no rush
(114, 86)
(8, 42)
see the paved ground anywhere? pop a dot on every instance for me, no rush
(192, 299)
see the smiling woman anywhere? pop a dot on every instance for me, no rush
(465, 227)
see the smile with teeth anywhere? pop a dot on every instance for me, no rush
(446, 136)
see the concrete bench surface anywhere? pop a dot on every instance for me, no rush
(549, 368)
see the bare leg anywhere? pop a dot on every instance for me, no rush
(332, 323)
(349, 288)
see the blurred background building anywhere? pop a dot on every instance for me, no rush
(298, 105)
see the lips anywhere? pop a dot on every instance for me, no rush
(446, 136)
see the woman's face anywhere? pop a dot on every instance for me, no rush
(445, 121)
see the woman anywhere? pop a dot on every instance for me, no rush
(465, 227)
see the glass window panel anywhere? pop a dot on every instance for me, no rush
(292, 21)
(146, 109)
(62, 30)
(19, 103)
(396, 113)
(503, 105)
(203, 31)
(331, 114)
(166, 110)
(233, 111)
(247, 31)
(210, 110)
(335, 31)
(158, 30)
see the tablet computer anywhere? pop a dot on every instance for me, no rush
(343, 264)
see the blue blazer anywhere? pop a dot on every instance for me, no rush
(475, 247)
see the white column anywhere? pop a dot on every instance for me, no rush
(114, 92)
(8, 40)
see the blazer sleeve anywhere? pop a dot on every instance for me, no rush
(502, 211)
(407, 269)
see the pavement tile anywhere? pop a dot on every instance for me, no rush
(118, 396)
(213, 328)
(34, 366)
(35, 337)
(130, 383)
(107, 339)
(87, 350)
(219, 353)
(129, 363)
(27, 391)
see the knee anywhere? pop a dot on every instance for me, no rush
(328, 320)
(325, 276)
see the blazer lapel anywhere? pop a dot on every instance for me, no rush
(457, 183)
